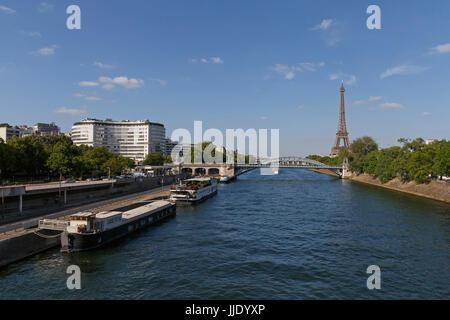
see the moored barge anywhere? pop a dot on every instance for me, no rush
(88, 230)
(194, 190)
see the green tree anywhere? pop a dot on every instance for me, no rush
(117, 164)
(385, 169)
(94, 159)
(441, 163)
(8, 160)
(31, 155)
(371, 163)
(60, 160)
(154, 159)
(360, 148)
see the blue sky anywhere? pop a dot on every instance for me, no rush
(231, 64)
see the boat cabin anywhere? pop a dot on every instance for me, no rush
(107, 220)
(81, 222)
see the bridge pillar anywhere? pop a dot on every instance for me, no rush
(346, 173)
(226, 170)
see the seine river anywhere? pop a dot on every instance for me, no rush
(298, 235)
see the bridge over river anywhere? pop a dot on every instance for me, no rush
(227, 169)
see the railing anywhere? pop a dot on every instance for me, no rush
(53, 224)
(287, 165)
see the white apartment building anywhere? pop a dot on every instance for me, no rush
(45, 129)
(132, 139)
(7, 132)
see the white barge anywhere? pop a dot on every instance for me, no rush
(192, 191)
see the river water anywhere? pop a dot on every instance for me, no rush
(297, 235)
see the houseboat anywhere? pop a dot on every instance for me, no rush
(87, 230)
(192, 191)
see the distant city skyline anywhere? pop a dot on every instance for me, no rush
(231, 65)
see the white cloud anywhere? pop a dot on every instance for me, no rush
(371, 99)
(160, 81)
(391, 105)
(7, 10)
(92, 98)
(330, 31)
(324, 25)
(129, 83)
(33, 34)
(87, 98)
(46, 51)
(426, 114)
(216, 60)
(264, 118)
(102, 65)
(108, 86)
(442, 48)
(213, 60)
(301, 107)
(45, 7)
(375, 98)
(402, 70)
(310, 66)
(71, 111)
(289, 72)
(348, 79)
(88, 84)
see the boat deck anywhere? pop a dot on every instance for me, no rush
(148, 208)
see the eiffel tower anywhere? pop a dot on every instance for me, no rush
(342, 128)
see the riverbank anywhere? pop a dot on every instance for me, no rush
(437, 190)
(325, 171)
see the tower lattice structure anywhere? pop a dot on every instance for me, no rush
(342, 132)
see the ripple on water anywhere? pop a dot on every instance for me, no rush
(298, 235)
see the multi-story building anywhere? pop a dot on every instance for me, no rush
(44, 129)
(7, 132)
(157, 138)
(26, 131)
(41, 129)
(169, 146)
(132, 139)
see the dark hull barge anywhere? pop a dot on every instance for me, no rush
(88, 231)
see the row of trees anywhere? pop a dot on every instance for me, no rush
(413, 160)
(45, 156)
(156, 159)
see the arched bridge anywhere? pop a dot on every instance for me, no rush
(236, 169)
(289, 162)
